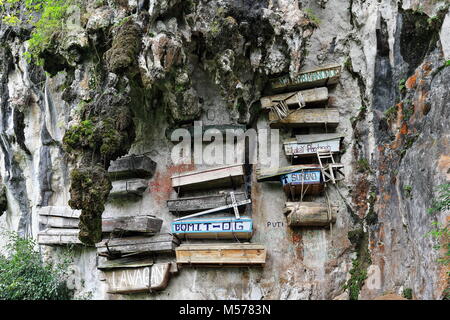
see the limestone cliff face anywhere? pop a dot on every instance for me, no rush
(137, 69)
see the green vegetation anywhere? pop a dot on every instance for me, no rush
(407, 293)
(24, 276)
(312, 17)
(356, 281)
(391, 113)
(45, 16)
(401, 85)
(363, 165)
(408, 191)
(442, 202)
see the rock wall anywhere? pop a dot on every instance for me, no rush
(164, 64)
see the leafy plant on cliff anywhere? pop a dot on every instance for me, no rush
(442, 201)
(24, 276)
(46, 17)
(312, 17)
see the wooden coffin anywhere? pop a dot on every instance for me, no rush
(136, 224)
(264, 175)
(230, 254)
(226, 176)
(132, 167)
(201, 130)
(306, 182)
(63, 211)
(310, 214)
(308, 145)
(138, 280)
(117, 247)
(220, 228)
(196, 204)
(123, 188)
(307, 117)
(56, 236)
(292, 98)
(104, 263)
(59, 222)
(308, 79)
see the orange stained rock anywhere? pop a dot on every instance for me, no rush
(444, 165)
(411, 82)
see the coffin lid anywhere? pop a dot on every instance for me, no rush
(311, 138)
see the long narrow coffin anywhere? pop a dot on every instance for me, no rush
(196, 204)
(264, 175)
(292, 98)
(138, 280)
(104, 263)
(308, 79)
(123, 188)
(245, 254)
(54, 236)
(306, 117)
(310, 214)
(137, 245)
(308, 145)
(62, 211)
(59, 222)
(221, 228)
(226, 176)
(306, 182)
(132, 167)
(136, 224)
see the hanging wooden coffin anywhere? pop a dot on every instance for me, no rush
(306, 117)
(308, 182)
(308, 79)
(59, 222)
(129, 225)
(308, 145)
(293, 98)
(310, 214)
(130, 167)
(104, 263)
(244, 254)
(138, 280)
(56, 236)
(62, 211)
(223, 228)
(226, 176)
(117, 247)
(123, 188)
(196, 204)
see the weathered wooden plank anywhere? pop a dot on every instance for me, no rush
(138, 280)
(132, 167)
(221, 254)
(59, 222)
(225, 176)
(305, 214)
(54, 236)
(307, 117)
(291, 98)
(135, 224)
(275, 174)
(137, 245)
(308, 146)
(104, 263)
(61, 211)
(196, 204)
(123, 188)
(308, 182)
(220, 228)
(308, 79)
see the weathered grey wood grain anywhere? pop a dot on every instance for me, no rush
(54, 236)
(59, 222)
(132, 167)
(310, 214)
(124, 188)
(307, 117)
(134, 224)
(291, 98)
(196, 204)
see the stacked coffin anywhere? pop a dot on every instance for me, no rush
(193, 224)
(304, 107)
(127, 252)
(60, 226)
